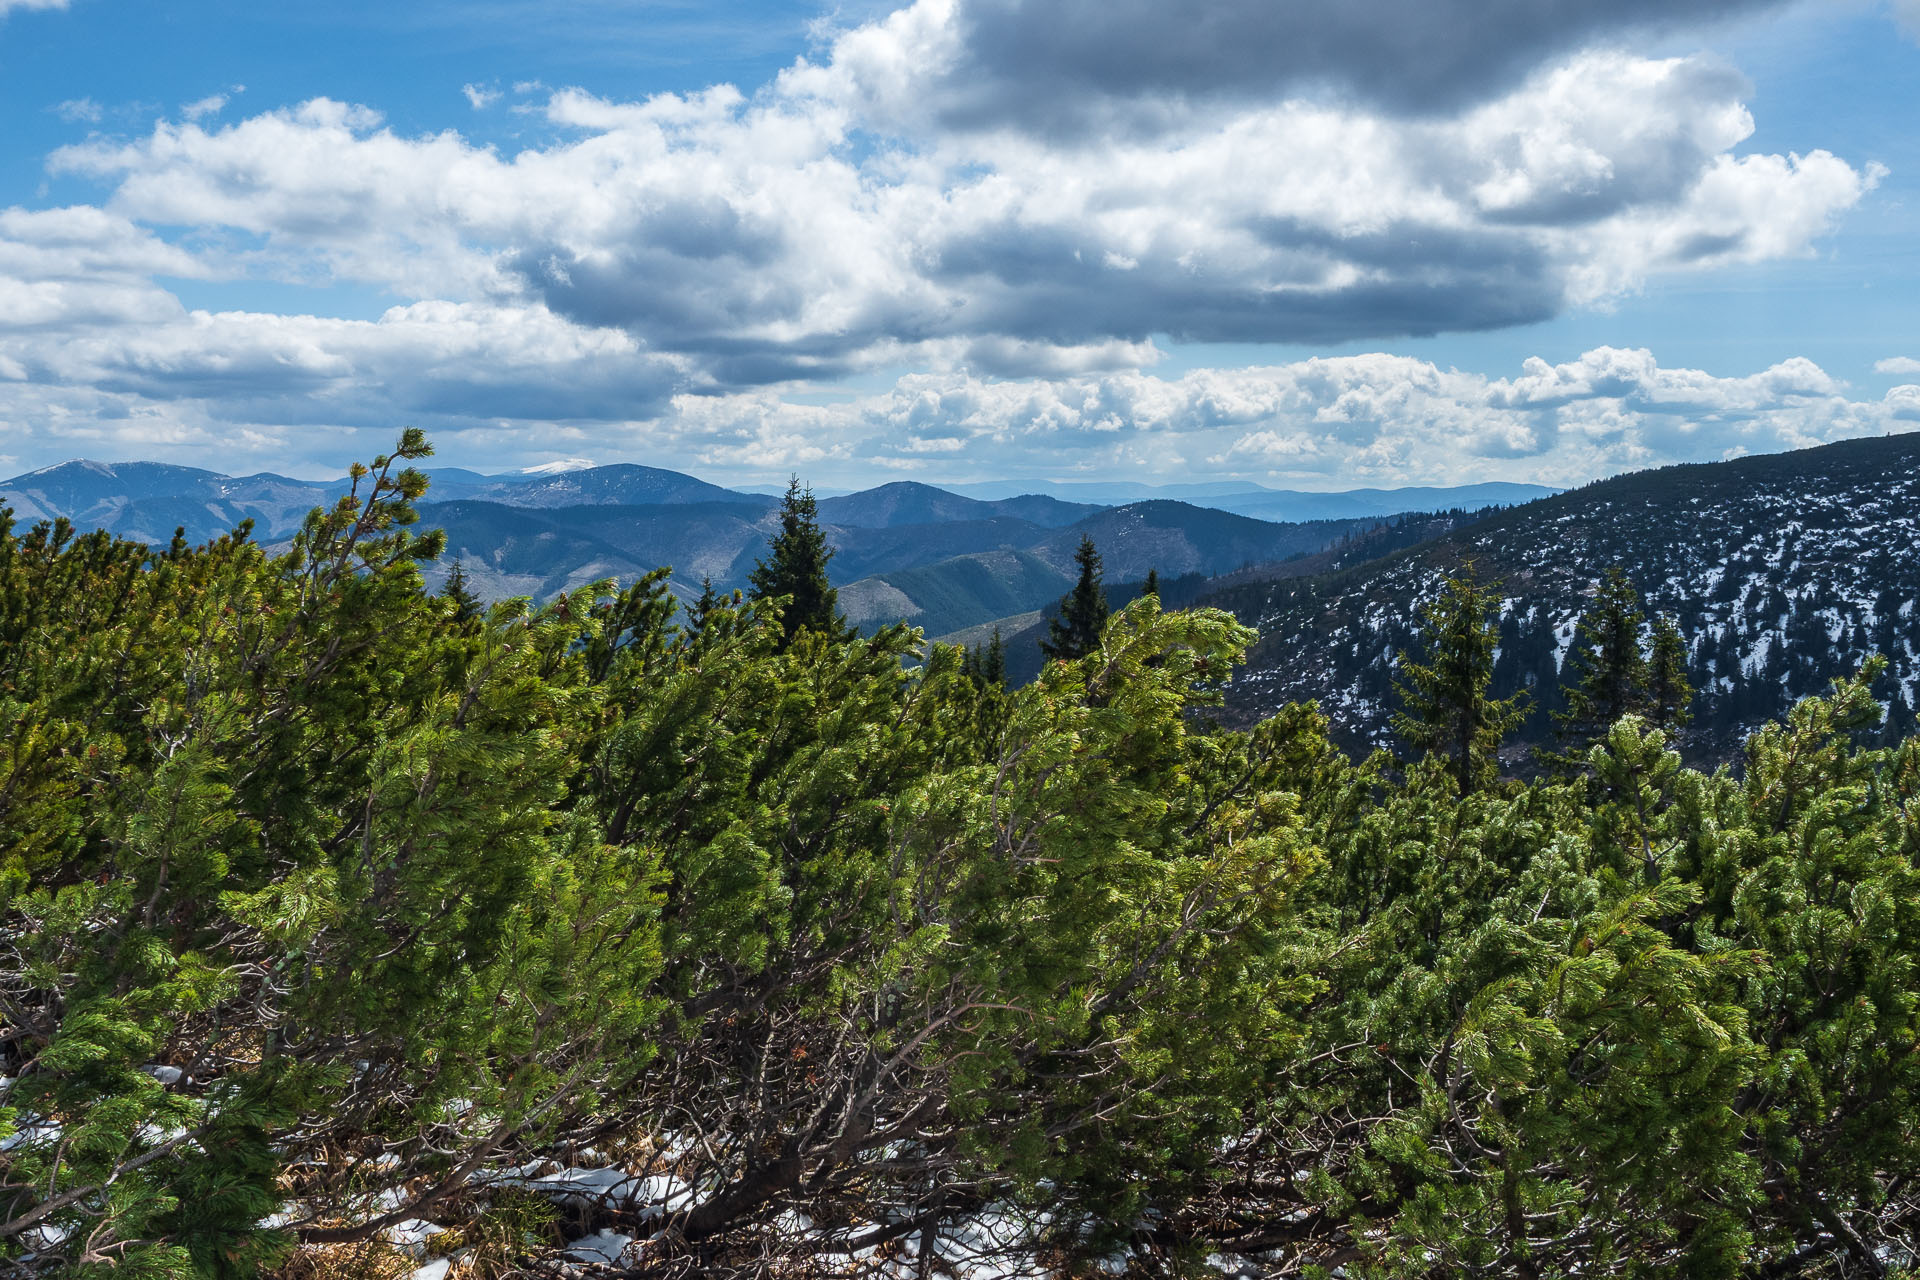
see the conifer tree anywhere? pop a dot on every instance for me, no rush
(1447, 709)
(1083, 611)
(993, 667)
(1669, 691)
(986, 665)
(1151, 587)
(796, 569)
(697, 611)
(1608, 669)
(466, 605)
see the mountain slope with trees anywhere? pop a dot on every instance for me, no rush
(622, 484)
(1024, 629)
(955, 592)
(908, 503)
(1780, 572)
(147, 501)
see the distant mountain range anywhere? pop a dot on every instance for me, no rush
(1783, 570)
(941, 574)
(1021, 573)
(147, 501)
(940, 559)
(136, 498)
(1286, 505)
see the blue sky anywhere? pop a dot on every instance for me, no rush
(1320, 245)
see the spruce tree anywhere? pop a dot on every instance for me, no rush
(796, 569)
(986, 664)
(1083, 611)
(697, 611)
(466, 605)
(993, 667)
(1605, 669)
(1151, 587)
(1669, 691)
(1448, 710)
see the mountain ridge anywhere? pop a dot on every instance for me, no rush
(1783, 571)
(89, 489)
(941, 559)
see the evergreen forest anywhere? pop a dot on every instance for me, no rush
(350, 927)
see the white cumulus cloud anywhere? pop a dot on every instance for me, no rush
(754, 236)
(671, 271)
(1367, 419)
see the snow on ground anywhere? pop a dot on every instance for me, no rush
(605, 1246)
(654, 1195)
(410, 1235)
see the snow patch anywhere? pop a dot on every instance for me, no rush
(605, 1246)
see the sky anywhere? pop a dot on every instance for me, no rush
(1319, 245)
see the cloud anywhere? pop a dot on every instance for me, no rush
(762, 239)
(1289, 223)
(1907, 14)
(1902, 366)
(674, 267)
(1069, 67)
(504, 384)
(74, 272)
(480, 97)
(1374, 418)
(9, 6)
(456, 364)
(79, 111)
(211, 105)
(81, 315)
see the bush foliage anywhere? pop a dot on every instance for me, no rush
(328, 904)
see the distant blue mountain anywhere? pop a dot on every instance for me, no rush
(1289, 505)
(1107, 493)
(147, 501)
(623, 484)
(908, 503)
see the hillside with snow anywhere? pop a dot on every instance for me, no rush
(1782, 571)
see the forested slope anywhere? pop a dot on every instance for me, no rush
(1782, 572)
(980, 585)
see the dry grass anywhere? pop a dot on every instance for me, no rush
(367, 1260)
(493, 1238)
